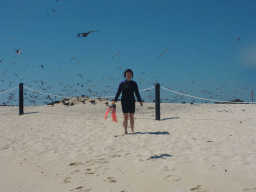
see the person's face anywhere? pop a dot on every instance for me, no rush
(129, 75)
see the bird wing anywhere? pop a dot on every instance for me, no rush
(92, 31)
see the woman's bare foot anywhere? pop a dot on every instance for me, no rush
(132, 131)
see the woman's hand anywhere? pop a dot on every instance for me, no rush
(141, 104)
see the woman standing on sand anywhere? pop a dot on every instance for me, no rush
(128, 87)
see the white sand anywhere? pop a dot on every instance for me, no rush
(72, 148)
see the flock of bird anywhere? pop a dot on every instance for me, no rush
(150, 97)
(36, 96)
(83, 34)
(30, 97)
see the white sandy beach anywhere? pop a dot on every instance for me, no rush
(199, 147)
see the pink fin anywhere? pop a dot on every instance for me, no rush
(114, 115)
(106, 114)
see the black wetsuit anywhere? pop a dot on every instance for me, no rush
(128, 101)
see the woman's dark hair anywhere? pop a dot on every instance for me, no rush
(128, 70)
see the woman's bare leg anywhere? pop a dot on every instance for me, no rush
(131, 115)
(132, 124)
(125, 123)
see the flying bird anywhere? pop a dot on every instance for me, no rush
(159, 37)
(85, 34)
(5, 72)
(54, 10)
(40, 66)
(163, 53)
(89, 90)
(17, 51)
(116, 55)
(73, 58)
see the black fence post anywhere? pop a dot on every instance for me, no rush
(21, 112)
(157, 100)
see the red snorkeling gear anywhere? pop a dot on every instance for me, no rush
(113, 108)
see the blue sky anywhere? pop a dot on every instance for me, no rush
(206, 49)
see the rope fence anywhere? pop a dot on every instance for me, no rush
(203, 98)
(157, 98)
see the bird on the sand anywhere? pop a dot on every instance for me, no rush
(85, 34)
(92, 102)
(65, 103)
(52, 104)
